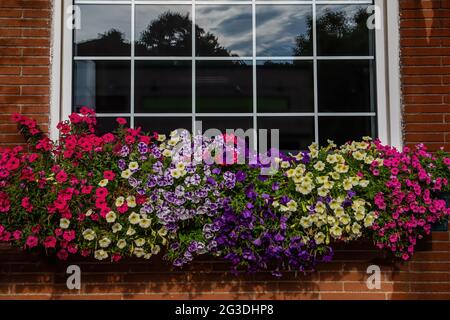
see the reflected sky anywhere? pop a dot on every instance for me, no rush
(232, 25)
(98, 19)
(146, 14)
(342, 30)
(278, 26)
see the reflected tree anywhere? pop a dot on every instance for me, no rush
(171, 35)
(337, 33)
(110, 41)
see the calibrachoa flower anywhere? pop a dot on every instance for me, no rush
(127, 193)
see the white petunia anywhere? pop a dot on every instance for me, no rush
(126, 174)
(104, 242)
(121, 244)
(131, 201)
(134, 218)
(116, 227)
(319, 238)
(64, 223)
(319, 166)
(133, 165)
(103, 183)
(89, 234)
(100, 254)
(120, 201)
(139, 242)
(111, 217)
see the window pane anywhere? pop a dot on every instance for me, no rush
(105, 31)
(224, 86)
(296, 133)
(346, 86)
(108, 124)
(342, 30)
(102, 85)
(163, 30)
(163, 125)
(224, 123)
(285, 86)
(283, 30)
(343, 129)
(224, 30)
(163, 86)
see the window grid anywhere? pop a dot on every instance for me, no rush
(254, 58)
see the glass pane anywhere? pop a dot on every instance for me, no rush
(163, 125)
(163, 30)
(224, 123)
(346, 86)
(163, 86)
(224, 30)
(102, 85)
(342, 30)
(224, 86)
(285, 86)
(296, 133)
(343, 129)
(109, 124)
(105, 31)
(283, 30)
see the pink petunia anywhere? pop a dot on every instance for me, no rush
(62, 254)
(50, 242)
(61, 176)
(101, 192)
(17, 235)
(121, 121)
(86, 189)
(109, 175)
(32, 242)
(69, 235)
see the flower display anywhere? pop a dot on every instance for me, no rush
(128, 193)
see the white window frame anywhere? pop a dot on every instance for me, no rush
(386, 56)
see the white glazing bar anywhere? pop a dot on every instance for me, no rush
(255, 92)
(225, 58)
(133, 27)
(194, 71)
(316, 96)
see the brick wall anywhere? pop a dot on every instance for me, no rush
(425, 56)
(425, 66)
(25, 27)
(426, 277)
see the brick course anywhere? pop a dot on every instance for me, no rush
(425, 68)
(25, 28)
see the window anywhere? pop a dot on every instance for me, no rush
(307, 68)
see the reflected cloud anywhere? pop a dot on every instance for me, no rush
(231, 24)
(277, 28)
(98, 19)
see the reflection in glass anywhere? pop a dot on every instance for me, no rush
(285, 86)
(163, 125)
(343, 129)
(102, 85)
(224, 86)
(108, 124)
(346, 86)
(163, 30)
(228, 28)
(283, 30)
(105, 31)
(163, 86)
(342, 30)
(224, 123)
(296, 133)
